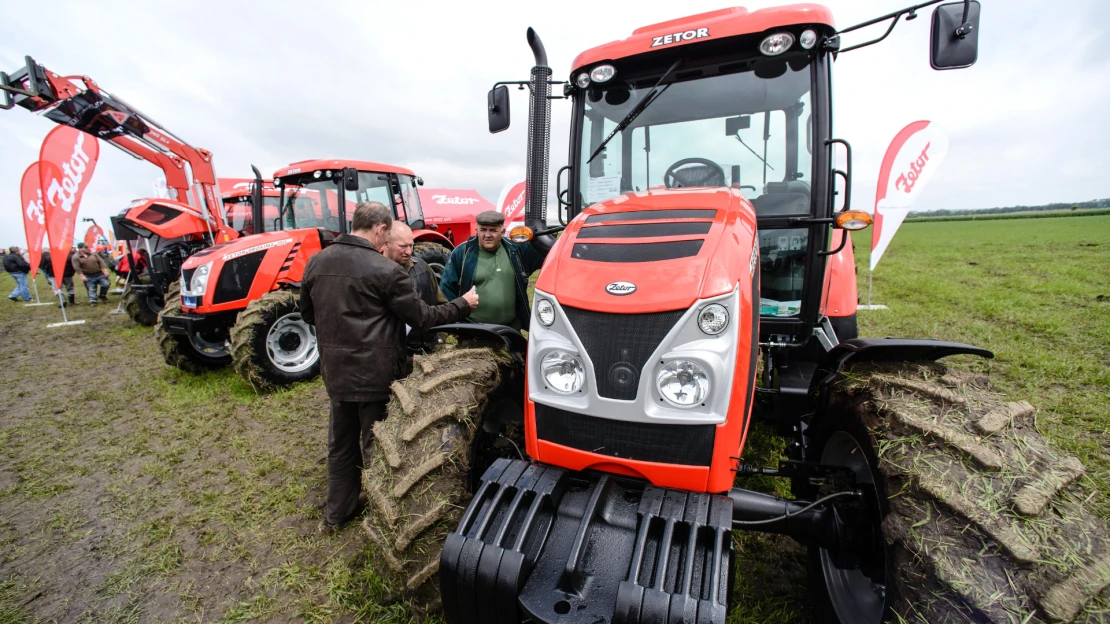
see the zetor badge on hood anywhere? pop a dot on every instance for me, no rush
(679, 37)
(620, 288)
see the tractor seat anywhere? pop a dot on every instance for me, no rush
(782, 198)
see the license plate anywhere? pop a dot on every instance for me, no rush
(189, 302)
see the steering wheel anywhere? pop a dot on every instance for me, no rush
(331, 223)
(697, 172)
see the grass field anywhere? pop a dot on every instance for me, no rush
(130, 492)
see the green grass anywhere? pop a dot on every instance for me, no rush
(1049, 214)
(193, 498)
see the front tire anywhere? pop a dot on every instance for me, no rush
(272, 345)
(190, 354)
(143, 309)
(419, 477)
(983, 519)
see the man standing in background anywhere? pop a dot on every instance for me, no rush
(93, 272)
(398, 248)
(18, 268)
(498, 268)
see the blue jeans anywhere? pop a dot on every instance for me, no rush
(91, 281)
(21, 290)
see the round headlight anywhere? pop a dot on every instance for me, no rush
(583, 80)
(601, 73)
(277, 181)
(563, 372)
(776, 44)
(545, 312)
(316, 174)
(713, 319)
(683, 383)
(808, 39)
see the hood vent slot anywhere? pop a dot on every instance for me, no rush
(636, 252)
(647, 230)
(651, 215)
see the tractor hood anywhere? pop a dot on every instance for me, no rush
(652, 251)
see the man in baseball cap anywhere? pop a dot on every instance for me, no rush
(498, 268)
(93, 272)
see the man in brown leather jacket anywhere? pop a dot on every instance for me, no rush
(360, 303)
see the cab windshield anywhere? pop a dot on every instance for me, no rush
(744, 125)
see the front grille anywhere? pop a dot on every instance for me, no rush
(646, 230)
(644, 215)
(636, 252)
(619, 346)
(687, 445)
(187, 276)
(236, 277)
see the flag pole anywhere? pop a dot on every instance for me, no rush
(38, 302)
(119, 308)
(65, 319)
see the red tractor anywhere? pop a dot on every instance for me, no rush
(689, 294)
(165, 231)
(238, 301)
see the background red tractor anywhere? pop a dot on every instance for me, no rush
(690, 293)
(164, 231)
(238, 301)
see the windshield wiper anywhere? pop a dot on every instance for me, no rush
(636, 110)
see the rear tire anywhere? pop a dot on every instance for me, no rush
(984, 523)
(179, 351)
(143, 309)
(271, 345)
(419, 477)
(434, 254)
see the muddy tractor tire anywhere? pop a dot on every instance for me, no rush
(190, 354)
(434, 254)
(983, 520)
(143, 309)
(271, 345)
(419, 477)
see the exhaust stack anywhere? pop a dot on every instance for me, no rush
(539, 145)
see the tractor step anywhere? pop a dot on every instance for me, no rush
(556, 546)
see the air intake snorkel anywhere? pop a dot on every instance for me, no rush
(539, 145)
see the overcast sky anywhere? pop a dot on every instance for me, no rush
(405, 83)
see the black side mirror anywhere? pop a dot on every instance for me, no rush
(955, 36)
(736, 124)
(350, 179)
(498, 107)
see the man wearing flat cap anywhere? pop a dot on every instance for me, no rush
(498, 268)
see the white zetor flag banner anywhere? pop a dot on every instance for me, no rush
(910, 162)
(511, 203)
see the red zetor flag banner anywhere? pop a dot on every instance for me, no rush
(93, 234)
(34, 220)
(910, 162)
(66, 164)
(511, 203)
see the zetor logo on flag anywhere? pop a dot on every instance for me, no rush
(911, 160)
(34, 218)
(511, 202)
(66, 164)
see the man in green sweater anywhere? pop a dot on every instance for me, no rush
(498, 268)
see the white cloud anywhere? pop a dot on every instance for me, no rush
(405, 83)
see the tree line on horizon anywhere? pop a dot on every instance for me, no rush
(1056, 207)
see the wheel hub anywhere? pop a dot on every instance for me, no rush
(291, 344)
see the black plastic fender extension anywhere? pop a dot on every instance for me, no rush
(514, 341)
(560, 546)
(887, 349)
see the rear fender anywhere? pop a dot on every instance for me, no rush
(840, 292)
(432, 236)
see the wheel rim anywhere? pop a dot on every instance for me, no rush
(855, 597)
(213, 349)
(291, 344)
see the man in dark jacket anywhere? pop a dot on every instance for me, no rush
(398, 248)
(93, 271)
(498, 267)
(46, 265)
(360, 303)
(18, 268)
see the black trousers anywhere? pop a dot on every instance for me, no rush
(350, 434)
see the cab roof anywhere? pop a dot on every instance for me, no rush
(713, 25)
(316, 165)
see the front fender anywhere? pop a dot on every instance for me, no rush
(887, 349)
